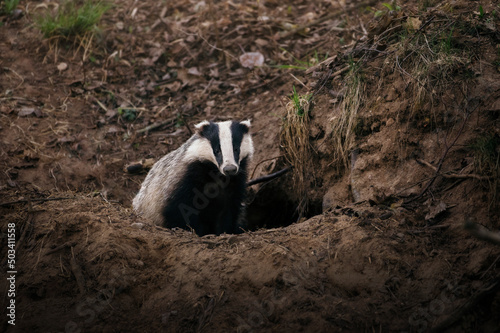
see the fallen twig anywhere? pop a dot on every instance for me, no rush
(434, 228)
(156, 125)
(265, 160)
(269, 177)
(60, 247)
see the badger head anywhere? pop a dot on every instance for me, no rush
(225, 144)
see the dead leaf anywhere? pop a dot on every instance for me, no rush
(251, 59)
(174, 86)
(435, 210)
(261, 42)
(27, 111)
(24, 112)
(214, 72)
(113, 129)
(187, 78)
(194, 71)
(111, 113)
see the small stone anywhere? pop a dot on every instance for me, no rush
(138, 225)
(62, 66)
(251, 59)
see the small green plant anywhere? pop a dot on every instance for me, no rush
(447, 42)
(301, 103)
(8, 6)
(179, 121)
(71, 21)
(128, 114)
(390, 7)
(481, 12)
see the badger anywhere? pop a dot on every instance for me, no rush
(202, 184)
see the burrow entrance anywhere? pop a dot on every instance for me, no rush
(273, 206)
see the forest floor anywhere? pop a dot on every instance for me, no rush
(365, 235)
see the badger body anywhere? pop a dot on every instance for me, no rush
(202, 184)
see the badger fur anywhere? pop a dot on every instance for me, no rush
(202, 184)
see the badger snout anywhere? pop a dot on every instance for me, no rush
(230, 170)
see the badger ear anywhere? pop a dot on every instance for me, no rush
(246, 123)
(201, 126)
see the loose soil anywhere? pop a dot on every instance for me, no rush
(380, 245)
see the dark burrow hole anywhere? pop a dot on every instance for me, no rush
(272, 207)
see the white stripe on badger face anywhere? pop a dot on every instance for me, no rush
(246, 149)
(226, 146)
(200, 150)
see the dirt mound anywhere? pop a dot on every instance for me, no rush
(399, 141)
(93, 266)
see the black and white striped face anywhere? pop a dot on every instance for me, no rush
(225, 144)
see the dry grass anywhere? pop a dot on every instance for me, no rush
(73, 23)
(434, 64)
(294, 141)
(430, 62)
(343, 125)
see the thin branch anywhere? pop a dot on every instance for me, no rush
(156, 125)
(265, 160)
(60, 247)
(441, 160)
(268, 177)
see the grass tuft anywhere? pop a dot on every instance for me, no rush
(430, 62)
(294, 139)
(8, 6)
(71, 21)
(344, 124)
